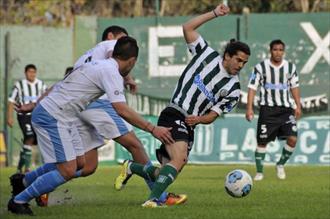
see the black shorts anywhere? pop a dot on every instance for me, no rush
(25, 124)
(275, 122)
(171, 117)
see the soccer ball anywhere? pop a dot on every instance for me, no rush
(238, 183)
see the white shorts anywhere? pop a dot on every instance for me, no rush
(56, 137)
(100, 121)
(89, 136)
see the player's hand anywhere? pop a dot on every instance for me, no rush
(10, 122)
(163, 134)
(192, 120)
(25, 108)
(249, 115)
(222, 10)
(131, 84)
(297, 113)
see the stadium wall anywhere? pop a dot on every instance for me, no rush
(163, 54)
(50, 49)
(232, 139)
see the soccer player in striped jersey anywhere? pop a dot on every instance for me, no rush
(278, 81)
(25, 91)
(208, 87)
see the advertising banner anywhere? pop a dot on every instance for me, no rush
(233, 140)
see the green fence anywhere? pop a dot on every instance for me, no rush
(50, 49)
(233, 140)
(163, 53)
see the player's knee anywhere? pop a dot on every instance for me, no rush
(29, 141)
(185, 160)
(67, 172)
(80, 163)
(180, 161)
(89, 170)
(291, 141)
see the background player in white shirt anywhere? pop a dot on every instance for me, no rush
(54, 118)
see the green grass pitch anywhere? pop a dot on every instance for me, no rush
(304, 194)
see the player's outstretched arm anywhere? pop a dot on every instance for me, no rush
(296, 96)
(159, 132)
(189, 28)
(10, 110)
(249, 114)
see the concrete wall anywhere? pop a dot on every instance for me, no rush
(50, 49)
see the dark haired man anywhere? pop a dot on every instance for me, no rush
(97, 122)
(54, 118)
(104, 123)
(278, 113)
(25, 91)
(208, 87)
(113, 32)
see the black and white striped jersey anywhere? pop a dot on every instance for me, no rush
(275, 82)
(205, 84)
(25, 92)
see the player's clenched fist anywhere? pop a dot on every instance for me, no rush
(221, 10)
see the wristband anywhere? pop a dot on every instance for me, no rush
(215, 14)
(152, 130)
(146, 127)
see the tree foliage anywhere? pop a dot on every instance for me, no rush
(61, 12)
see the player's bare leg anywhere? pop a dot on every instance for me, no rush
(92, 162)
(134, 146)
